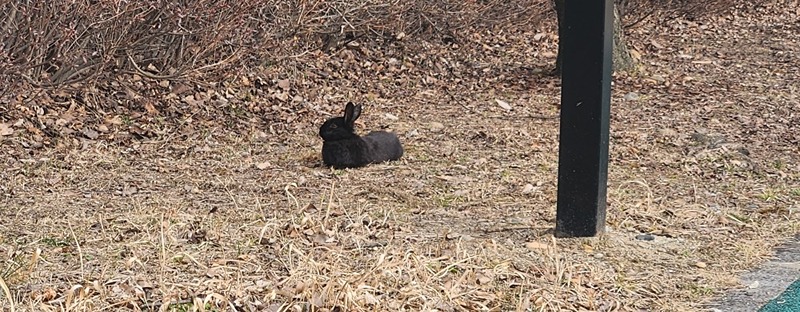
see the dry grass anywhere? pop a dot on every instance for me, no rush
(448, 228)
(208, 219)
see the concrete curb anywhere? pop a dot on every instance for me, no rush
(765, 283)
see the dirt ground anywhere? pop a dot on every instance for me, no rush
(206, 214)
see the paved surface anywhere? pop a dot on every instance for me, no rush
(767, 283)
(789, 301)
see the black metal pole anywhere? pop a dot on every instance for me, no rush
(585, 105)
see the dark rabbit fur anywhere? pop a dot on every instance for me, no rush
(343, 148)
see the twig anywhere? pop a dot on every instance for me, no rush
(542, 116)
(368, 246)
(330, 203)
(641, 19)
(217, 63)
(230, 194)
(290, 196)
(149, 75)
(78, 246)
(7, 292)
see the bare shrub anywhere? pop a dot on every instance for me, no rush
(61, 42)
(635, 11)
(55, 43)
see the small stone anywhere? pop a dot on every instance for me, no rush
(129, 190)
(701, 264)
(645, 237)
(391, 116)
(284, 84)
(436, 126)
(631, 96)
(91, 134)
(460, 193)
(598, 256)
(667, 132)
(753, 285)
(528, 188)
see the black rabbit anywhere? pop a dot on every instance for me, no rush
(343, 148)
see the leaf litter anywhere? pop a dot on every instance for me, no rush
(229, 206)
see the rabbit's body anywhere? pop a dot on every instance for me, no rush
(343, 148)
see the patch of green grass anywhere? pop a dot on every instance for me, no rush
(54, 242)
(700, 290)
(424, 157)
(18, 268)
(236, 110)
(447, 200)
(795, 192)
(768, 195)
(738, 217)
(181, 307)
(189, 306)
(12, 268)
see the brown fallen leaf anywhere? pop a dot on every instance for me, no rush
(284, 84)
(701, 264)
(181, 89)
(483, 279)
(6, 129)
(150, 108)
(503, 104)
(116, 120)
(536, 245)
(91, 134)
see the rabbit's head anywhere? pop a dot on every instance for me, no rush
(341, 128)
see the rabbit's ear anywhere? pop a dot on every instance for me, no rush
(351, 113)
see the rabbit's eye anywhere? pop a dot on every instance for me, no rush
(334, 126)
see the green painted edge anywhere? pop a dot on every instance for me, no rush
(788, 301)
